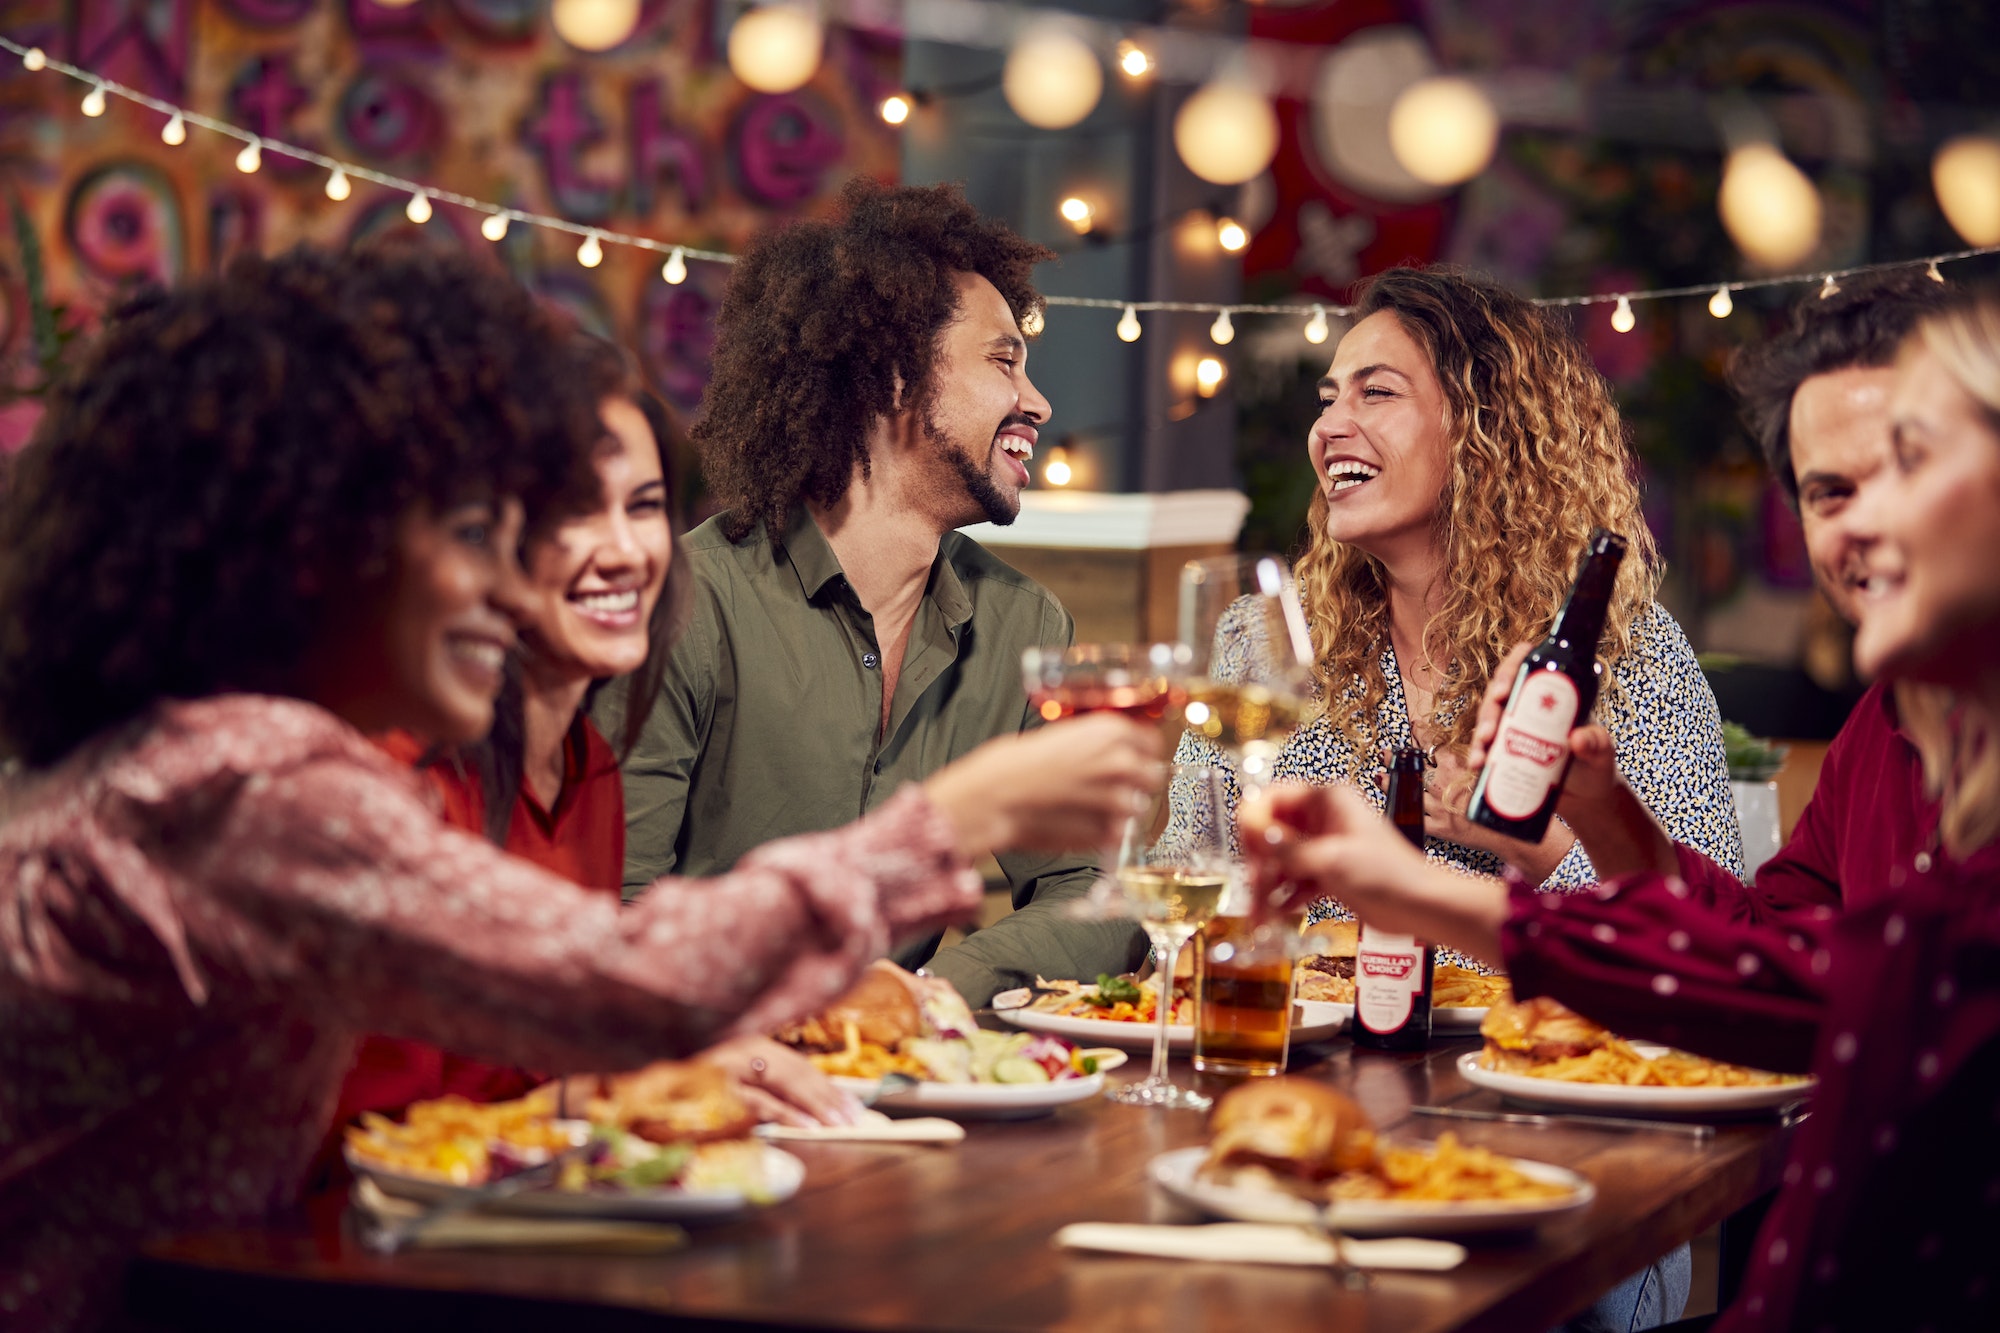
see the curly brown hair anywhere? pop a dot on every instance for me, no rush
(821, 324)
(225, 467)
(1538, 458)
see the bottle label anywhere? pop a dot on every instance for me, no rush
(1528, 753)
(1388, 977)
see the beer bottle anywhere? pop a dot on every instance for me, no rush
(1393, 973)
(1525, 766)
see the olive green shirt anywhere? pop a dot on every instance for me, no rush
(768, 724)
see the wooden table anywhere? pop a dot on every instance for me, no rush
(906, 1238)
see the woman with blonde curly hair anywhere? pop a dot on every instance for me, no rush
(1465, 447)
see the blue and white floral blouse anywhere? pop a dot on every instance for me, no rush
(1657, 706)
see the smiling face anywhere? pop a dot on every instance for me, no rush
(1379, 448)
(1839, 433)
(595, 580)
(445, 627)
(982, 424)
(1930, 610)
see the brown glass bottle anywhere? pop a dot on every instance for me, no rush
(1393, 973)
(1557, 685)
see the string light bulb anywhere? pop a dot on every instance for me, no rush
(35, 60)
(1316, 330)
(1622, 319)
(1828, 287)
(1720, 304)
(1133, 60)
(418, 210)
(1222, 331)
(1207, 376)
(895, 109)
(338, 187)
(1932, 272)
(494, 227)
(1229, 234)
(1051, 78)
(251, 158)
(590, 254)
(175, 132)
(776, 48)
(93, 101)
(675, 270)
(1057, 471)
(1128, 325)
(1078, 213)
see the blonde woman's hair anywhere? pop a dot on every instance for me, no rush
(1538, 459)
(1959, 738)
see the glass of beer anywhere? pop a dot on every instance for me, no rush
(1242, 1002)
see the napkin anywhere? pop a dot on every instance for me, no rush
(1258, 1243)
(472, 1230)
(874, 1127)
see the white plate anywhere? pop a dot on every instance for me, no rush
(1458, 1021)
(981, 1101)
(1312, 1020)
(1619, 1097)
(783, 1172)
(1174, 1172)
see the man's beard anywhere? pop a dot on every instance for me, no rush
(979, 484)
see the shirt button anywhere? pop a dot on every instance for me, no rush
(870, 660)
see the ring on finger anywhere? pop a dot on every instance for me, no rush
(757, 1066)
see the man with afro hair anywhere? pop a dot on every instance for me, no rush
(870, 395)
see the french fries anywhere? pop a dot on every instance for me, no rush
(1616, 1062)
(865, 1059)
(1447, 1172)
(450, 1139)
(1455, 987)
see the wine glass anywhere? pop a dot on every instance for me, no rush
(1145, 681)
(1250, 657)
(1172, 880)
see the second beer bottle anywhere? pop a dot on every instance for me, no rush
(1393, 973)
(1525, 766)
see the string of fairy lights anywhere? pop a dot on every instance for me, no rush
(498, 219)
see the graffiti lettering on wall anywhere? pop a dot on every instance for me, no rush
(474, 96)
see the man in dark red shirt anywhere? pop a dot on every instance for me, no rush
(1816, 397)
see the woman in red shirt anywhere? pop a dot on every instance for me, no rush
(1890, 1211)
(605, 596)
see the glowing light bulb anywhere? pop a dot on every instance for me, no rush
(251, 158)
(1828, 287)
(1033, 322)
(594, 25)
(590, 254)
(1207, 376)
(338, 187)
(1719, 304)
(1078, 213)
(418, 210)
(675, 270)
(1769, 207)
(1966, 175)
(1932, 272)
(175, 132)
(1222, 331)
(1128, 325)
(1229, 234)
(93, 101)
(1133, 59)
(494, 228)
(35, 59)
(1443, 130)
(1051, 78)
(895, 108)
(1622, 319)
(1057, 471)
(1316, 330)
(1226, 133)
(776, 49)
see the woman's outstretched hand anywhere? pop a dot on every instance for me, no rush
(1064, 787)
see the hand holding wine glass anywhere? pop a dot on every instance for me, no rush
(1251, 658)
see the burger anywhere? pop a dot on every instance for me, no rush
(1329, 975)
(666, 1102)
(1521, 1034)
(887, 1007)
(1291, 1134)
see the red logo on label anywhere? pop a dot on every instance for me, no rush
(1534, 749)
(1395, 966)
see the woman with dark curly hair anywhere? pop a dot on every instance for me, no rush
(267, 513)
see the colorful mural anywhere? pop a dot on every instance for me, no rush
(480, 97)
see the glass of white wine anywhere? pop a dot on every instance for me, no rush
(1171, 876)
(1244, 626)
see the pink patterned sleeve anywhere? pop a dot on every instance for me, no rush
(1662, 959)
(338, 885)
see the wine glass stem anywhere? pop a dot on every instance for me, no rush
(1170, 953)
